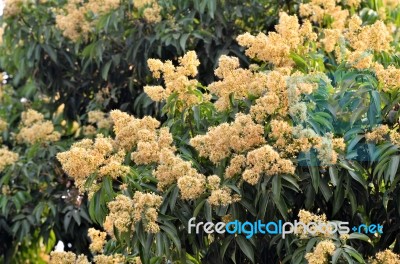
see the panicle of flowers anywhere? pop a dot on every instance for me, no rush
(276, 46)
(173, 168)
(145, 208)
(306, 217)
(12, 8)
(100, 119)
(76, 10)
(317, 11)
(127, 128)
(152, 14)
(378, 134)
(326, 150)
(236, 166)
(386, 257)
(150, 145)
(109, 259)
(97, 240)
(90, 156)
(221, 141)
(321, 252)
(34, 128)
(67, 258)
(265, 160)
(236, 81)
(120, 215)
(177, 80)
(389, 77)
(7, 157)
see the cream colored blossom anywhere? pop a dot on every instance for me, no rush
(222, 141)
(386, 257)
(12, 8)
(34, 128)
(220, 197)
(97, 240)
(7, 158)
(236, 166)
(102, 120)
(378, 134)
(389, 77)
(62, 258)
(89, 156)
(152, 13)
(321, 253)
(127, 128)
(213, 182)
(177, 80)
(145, 208)
(265, 160)
(112, 259)
(120, 214)
(191, 187)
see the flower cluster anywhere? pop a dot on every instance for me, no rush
(87, 157)
(34, 128)
(265, 160)
(12, 8)
(100, 119)
(145, 208)
(177, 81)
(220, 142)
(276, 46)
(306, 217)
(7, 158)
(236, 81)
(321, 252)
(120, 215)
(98, 240)
(67, 258)
(378, 134)
(75, 10)
(386, 257)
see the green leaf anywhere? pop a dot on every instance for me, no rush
(105, 70)
(245, 247)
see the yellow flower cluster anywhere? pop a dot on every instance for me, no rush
(276, 47)
(145, 208)
(34, 128)
(377, 134)
(389, 77)
(386, 257)
(100, 119)
(292, 140)
(111, 259)
(141, 135)
(265, 160)
(127, 128)
(97, 240)
(220, 142)
(321, 253)
(306, 217)
(12, 8)
(87, 157)
(152, 14)
(173, 169)
(235, 166)
(176, 80)
(236, 81)
(318, 10)
(326, 150)
(120, 215)
(76, 10)
(220, 197)
(67, 258)
(7, 158)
